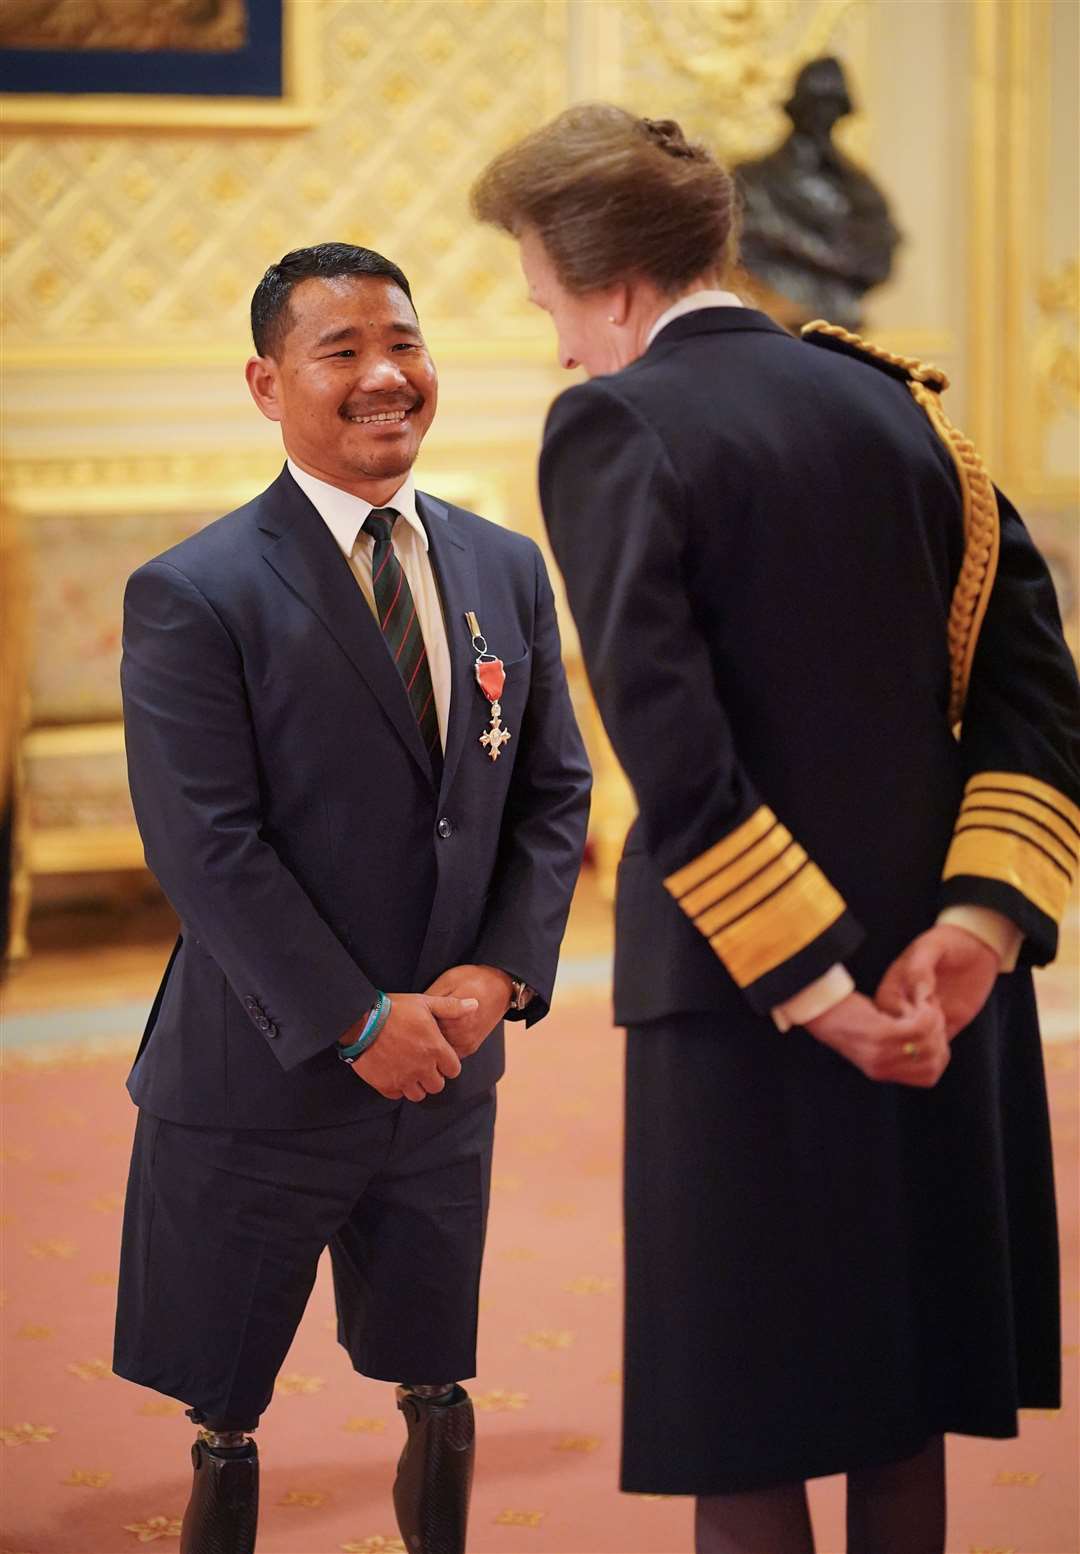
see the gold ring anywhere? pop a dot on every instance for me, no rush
(910, 1050)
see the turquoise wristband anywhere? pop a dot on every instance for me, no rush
(374, 1023)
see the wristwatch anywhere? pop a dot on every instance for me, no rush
(521, 994)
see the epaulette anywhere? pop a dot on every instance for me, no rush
(982, 526)
(906, 368)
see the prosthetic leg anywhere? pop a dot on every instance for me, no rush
(223, 1511)
(434, 1475)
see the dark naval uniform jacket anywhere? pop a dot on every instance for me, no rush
(761, 539)
(290, 811)
(839, 688)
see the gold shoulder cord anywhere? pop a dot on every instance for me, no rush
(982, 528)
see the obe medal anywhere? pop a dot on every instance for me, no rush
(490, 677)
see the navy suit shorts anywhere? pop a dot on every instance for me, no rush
(223, 1230)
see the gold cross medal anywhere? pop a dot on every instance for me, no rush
(490, 677)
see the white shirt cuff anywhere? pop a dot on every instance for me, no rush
(816, 998)
(996, 930)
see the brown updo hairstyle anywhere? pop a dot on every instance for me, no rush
(612, 196)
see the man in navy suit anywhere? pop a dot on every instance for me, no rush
(371, 847)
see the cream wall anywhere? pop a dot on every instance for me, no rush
(130, 253)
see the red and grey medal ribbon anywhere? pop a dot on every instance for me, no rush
(490, 677)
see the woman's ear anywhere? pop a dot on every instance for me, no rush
(619, 303)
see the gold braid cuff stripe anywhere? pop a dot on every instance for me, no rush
(756, 897)
(982, 529)
(1020, 831)
(1041, 796)
(719, 857)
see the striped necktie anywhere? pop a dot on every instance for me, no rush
(396, 609)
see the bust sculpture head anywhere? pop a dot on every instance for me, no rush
(820, 97)
(817, 233)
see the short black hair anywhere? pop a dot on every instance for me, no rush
(270, 321)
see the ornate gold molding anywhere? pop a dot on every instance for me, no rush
(1055, 356)
(209, 482)
(152, 482)
(734, 63)
(1022, 359)
(454, 343)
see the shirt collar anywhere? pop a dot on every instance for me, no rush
(344, 514)
(692, 301)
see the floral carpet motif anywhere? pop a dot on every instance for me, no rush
(93, 1465)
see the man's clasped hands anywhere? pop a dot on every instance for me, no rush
(426, 1035)
(930, 992)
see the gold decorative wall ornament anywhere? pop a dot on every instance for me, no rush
(1056, 353)
(737, 58)
(982, 529)
(1021, 364)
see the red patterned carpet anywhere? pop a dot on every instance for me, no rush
(93, 1465)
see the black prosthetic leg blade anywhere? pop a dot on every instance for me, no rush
(434, 1476)
(223, 1511)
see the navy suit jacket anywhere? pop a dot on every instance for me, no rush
(288, 807)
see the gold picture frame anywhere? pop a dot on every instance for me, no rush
(295, 109)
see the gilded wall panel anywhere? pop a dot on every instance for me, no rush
(150, 243)
(1045, 267)
(723, 68)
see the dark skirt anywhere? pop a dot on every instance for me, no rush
(821, 1271)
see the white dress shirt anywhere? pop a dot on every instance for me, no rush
(690, 304)
(993, 928)
(344, 516)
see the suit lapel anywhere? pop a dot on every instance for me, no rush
(304, 555)
(455, 571)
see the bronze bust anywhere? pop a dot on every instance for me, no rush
(817, 233)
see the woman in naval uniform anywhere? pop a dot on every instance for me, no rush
(830, 661)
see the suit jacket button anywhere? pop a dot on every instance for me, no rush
(444, 828)
(262, 1022)
(250, 1004)
(271, 1029)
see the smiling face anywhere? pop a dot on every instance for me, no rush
(353, 386)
